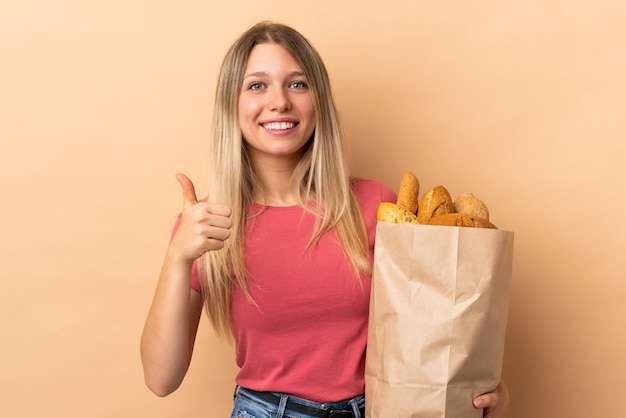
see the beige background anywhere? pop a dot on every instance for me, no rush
(101, 103)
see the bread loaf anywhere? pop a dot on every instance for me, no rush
(469, 204)
(390, 212)
(435, 202)
(460, 219)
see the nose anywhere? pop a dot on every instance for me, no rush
(279, 100)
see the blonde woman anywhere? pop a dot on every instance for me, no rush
(279, 253)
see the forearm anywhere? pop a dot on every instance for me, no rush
(170, 329)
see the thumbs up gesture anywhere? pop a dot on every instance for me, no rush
(203, 226)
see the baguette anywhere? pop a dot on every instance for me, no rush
(408, 195)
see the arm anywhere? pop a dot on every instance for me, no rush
(172, 323)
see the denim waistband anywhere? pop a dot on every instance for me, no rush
(279, 403)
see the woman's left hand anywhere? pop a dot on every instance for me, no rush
(495, 403)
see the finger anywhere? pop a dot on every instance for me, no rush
(487, 400)
(220, 234)
(189, 192)
(216, 209)
(214, 226)
(215, 244)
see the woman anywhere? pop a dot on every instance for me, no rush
(280, 251)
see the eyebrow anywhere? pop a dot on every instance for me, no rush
(263, 74)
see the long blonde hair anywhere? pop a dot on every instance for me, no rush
(321, 178)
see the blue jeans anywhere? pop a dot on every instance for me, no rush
(248, 405)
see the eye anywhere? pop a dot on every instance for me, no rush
(257, 85)
(298, 85)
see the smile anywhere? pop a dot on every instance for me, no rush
(278, 126)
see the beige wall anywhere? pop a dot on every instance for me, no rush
(101, 103)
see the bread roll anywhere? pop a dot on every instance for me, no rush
(469, 204)
(435, 202)
(408, 195)
(390, 212)
(460, 219)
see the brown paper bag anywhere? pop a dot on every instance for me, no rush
(438, 316)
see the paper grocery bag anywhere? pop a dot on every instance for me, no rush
(438, 314)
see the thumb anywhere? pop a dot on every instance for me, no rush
(189, 192)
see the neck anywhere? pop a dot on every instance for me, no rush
(275, 187)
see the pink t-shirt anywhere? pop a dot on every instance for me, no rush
(308, 332)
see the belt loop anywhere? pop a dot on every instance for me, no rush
(282, 406)
(355, 408)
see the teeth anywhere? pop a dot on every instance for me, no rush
(277, 126)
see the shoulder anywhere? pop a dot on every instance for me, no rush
(372, 192)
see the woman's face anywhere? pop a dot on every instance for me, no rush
(276, 113)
